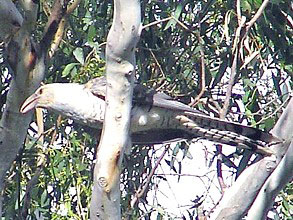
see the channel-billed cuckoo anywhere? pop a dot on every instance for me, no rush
(155, 117)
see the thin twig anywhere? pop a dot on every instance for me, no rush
(40, 123)
(72, 6)
(183, 25)
(61, 28)
(235, 50)
(184, 174)
(144, 185)
(290, 94)
(202, 73)
(224, 110)
(157, 63)
(219, 168)
(167, 19)
(274, 112)
(238, 11)
(156, 22)
(257, 15)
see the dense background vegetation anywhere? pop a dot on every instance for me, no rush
(194, 54)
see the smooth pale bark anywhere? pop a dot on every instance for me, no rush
(10, 19)
(120, 68)
(27, 62)
(257, 186)
(282, 174)
(237, 198)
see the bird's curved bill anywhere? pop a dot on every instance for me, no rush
(29, 104)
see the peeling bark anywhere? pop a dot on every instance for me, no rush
(120, 67)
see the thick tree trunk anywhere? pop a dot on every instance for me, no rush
(120, 66)
(10, 19)
(27, 63)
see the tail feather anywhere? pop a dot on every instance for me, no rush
(228, 132)
(250, 132)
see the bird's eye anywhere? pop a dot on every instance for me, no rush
(41, 91)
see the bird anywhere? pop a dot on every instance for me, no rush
(156, 117)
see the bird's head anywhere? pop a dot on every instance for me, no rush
(42, 98)
(70, 100)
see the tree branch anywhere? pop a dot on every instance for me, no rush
(283, 172)
(27, 60)
(237, 40)
(257, 15)
(243, 194)
(10, 19)
(57, 13)
(28, 63)
(120, 67)
(144, 185)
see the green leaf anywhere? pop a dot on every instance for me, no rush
(67, 70)
(94, 45)
(81, 167)
(91, 33)
(44, 198)
(247, 82)
(177, 14)
(178, 10)
(285, 89)
(78, 54)
(170, 23)
(285, 205)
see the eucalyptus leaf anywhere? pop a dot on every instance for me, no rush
(78, 54)
(67, 70)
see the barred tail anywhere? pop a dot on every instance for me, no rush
(228, 132)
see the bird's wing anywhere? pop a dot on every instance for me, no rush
(142, 95)
(97, 86)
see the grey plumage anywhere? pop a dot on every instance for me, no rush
(155, 117)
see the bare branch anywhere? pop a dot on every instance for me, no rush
(27, 60)
(231, 83)
(61, 28)
(241, 194)
(57, 13)
(244, 192)
(274, 184)
(145, 184)
(257, 15)
(238, 10)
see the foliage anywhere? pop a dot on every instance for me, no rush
(168, 59)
